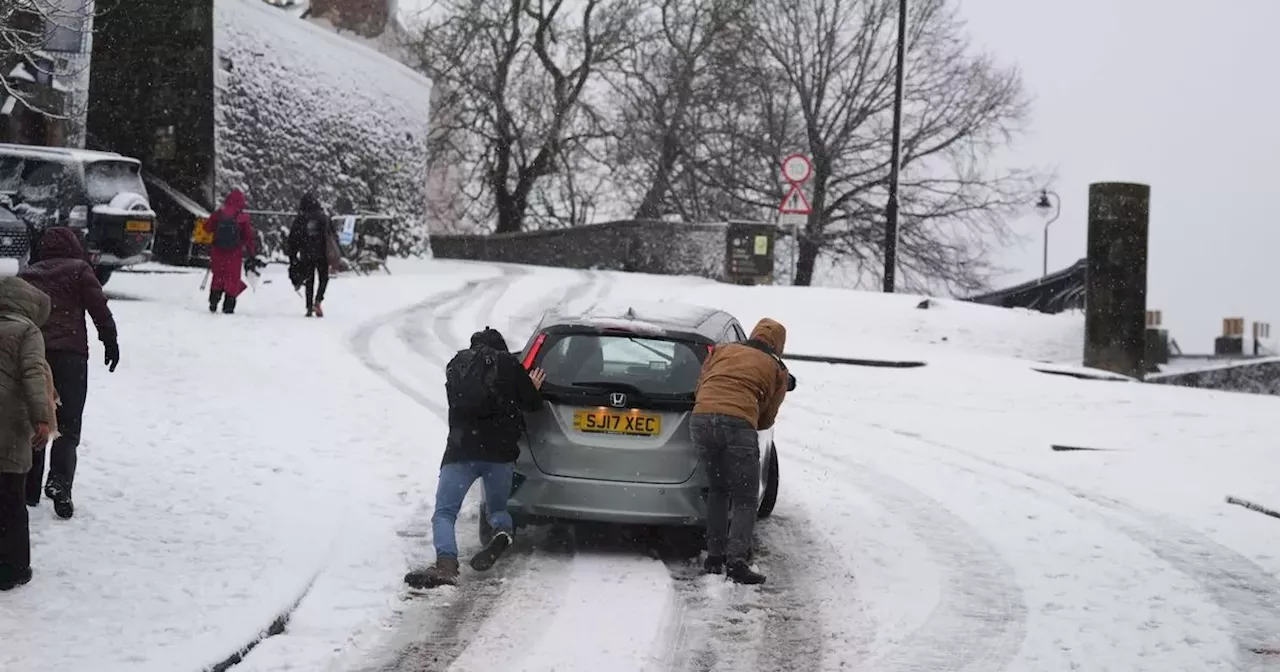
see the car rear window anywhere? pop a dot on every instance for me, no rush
(655, 366)
(105, 179)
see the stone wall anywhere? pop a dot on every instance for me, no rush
(665, 248)
(1260, 377)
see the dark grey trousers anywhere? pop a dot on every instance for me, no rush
(729, 449)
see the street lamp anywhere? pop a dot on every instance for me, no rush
(891, 207)
(1044, 207)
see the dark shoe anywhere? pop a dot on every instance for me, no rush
(488, 556)
(319, 310)
(229, 306)
(310, 312)
(12, 578)
(64, 507)
(714, 564)
(61, 499)
(215, 298)
(739, 572)
(443, 573)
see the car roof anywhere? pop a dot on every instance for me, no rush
(658, 316)
(61, 154)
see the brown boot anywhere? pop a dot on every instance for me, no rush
(443, 573)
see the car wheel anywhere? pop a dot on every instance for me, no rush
(103, 274)
(770, 497)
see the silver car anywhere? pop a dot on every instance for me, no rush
(612, 442)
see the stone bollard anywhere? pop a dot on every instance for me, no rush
(1116, 288)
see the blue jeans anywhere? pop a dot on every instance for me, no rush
(455, 480)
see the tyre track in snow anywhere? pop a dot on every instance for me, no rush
(437, 637)
(1245, 591)
(981, 619)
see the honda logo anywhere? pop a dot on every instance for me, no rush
(617, 399)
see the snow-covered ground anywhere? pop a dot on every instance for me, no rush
(232, 466)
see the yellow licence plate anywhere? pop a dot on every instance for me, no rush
(137, 226)
(603, 421)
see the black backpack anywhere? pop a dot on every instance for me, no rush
(471, 383)
(226, 232)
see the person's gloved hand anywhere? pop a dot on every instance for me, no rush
(40, 436)
(113, 355)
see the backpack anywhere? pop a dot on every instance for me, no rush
(471, 383)
(226, 232)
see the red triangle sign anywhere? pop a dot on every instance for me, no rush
(795, 202)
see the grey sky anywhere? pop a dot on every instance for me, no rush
(1180, 95)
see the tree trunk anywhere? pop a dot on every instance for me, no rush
(806, 261)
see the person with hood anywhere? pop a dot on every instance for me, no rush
(61, 272)
(312, 247)
(488, 391)
(233, 244)
(26, 418)
(739, 392)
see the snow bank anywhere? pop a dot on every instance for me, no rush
(298, 107)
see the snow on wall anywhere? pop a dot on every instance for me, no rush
(298, 108)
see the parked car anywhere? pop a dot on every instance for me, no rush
(14, 239)
(99, 194)
(612, 443)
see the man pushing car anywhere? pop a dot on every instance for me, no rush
(739, 392)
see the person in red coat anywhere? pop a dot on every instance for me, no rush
(232, 244)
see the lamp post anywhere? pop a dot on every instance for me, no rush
(1043, 206)
(891, 207)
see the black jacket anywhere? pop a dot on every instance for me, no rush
(308, 232)
(494, 439)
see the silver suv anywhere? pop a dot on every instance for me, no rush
(612, 442)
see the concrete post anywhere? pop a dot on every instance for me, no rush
(1116, 288)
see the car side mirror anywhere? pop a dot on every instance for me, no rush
(791, 382)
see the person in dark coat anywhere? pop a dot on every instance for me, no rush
(62, 272)
(311, 247)
(232, 244)
(480, 448)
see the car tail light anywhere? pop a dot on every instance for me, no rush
(78, 218)
(533, 351)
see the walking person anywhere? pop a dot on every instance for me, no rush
(739, 392)
(61, 272)
(233, 243)
(488, 391)
(27, 417)
(312, 247)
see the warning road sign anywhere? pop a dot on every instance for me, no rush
(795, 202)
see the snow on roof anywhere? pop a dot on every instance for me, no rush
(65, 153)
(299, 108)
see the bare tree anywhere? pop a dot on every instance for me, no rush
(26, 27)
(512, 106)
(663, 90)
(822, 82)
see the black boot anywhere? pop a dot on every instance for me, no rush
(714, 564)
(12, 577)
(488, 556)
(229, 306)
(215, 296)
(739, 572)
(61, 498)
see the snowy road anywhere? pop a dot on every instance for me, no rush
(874, 568)
(923, 521)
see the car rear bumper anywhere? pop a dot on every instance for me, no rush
(540, 496)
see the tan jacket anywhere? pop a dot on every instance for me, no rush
(24, 372)
(741, 381)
